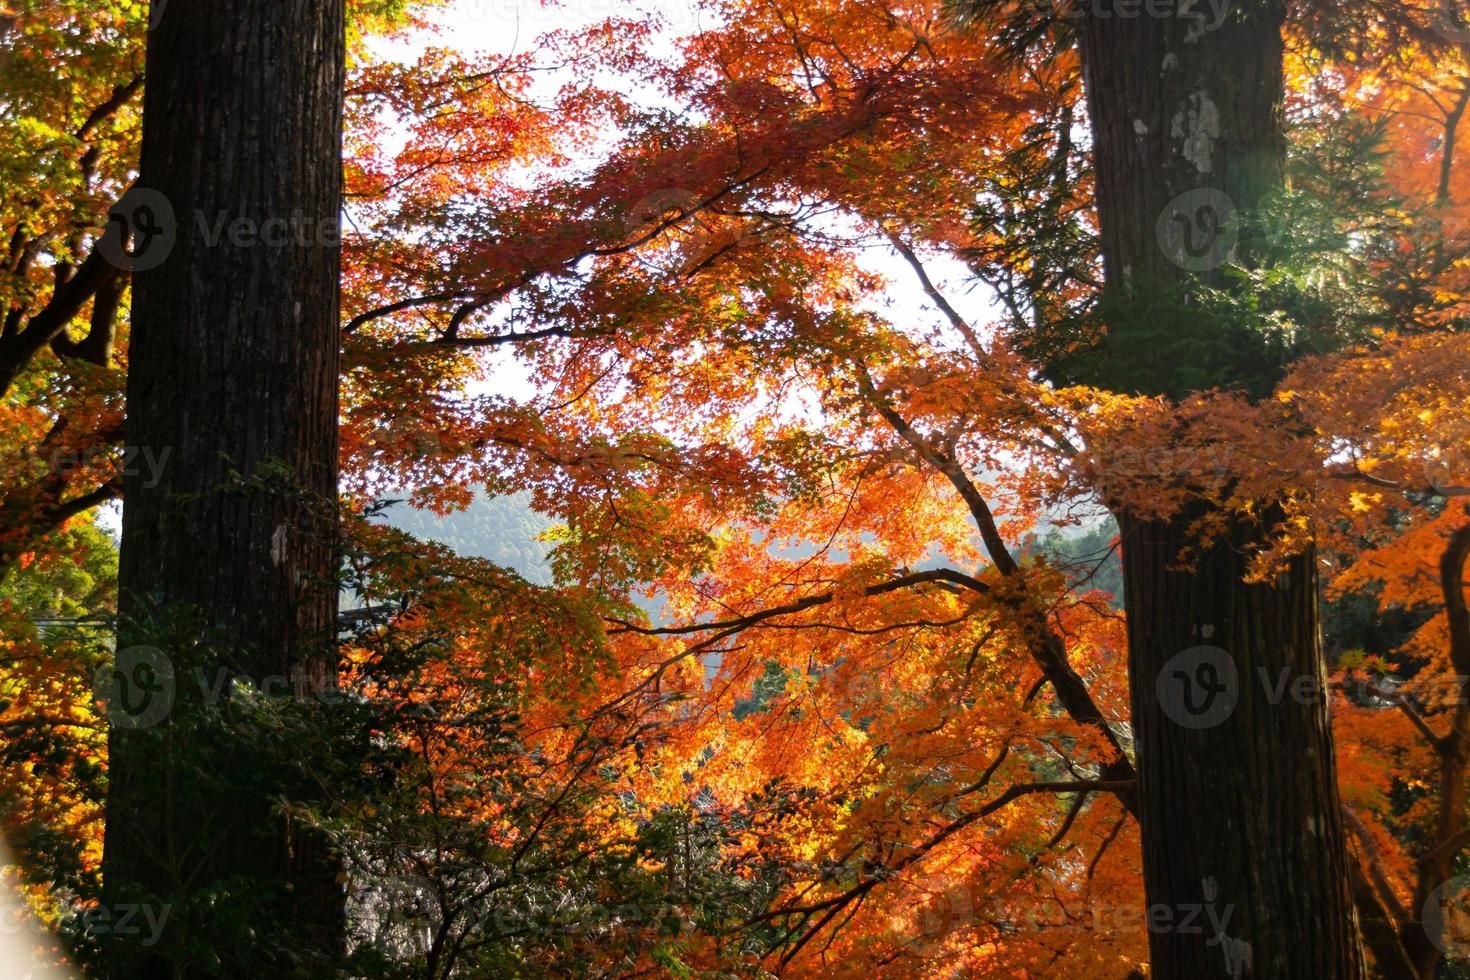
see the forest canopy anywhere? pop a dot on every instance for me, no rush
(735, 488)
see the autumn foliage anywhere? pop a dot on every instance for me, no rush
(811, 693)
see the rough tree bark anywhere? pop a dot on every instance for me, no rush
(1240, 807)
(233, 365)
(1423, 934)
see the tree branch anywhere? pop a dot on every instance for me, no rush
(810, 602)
(66, 302)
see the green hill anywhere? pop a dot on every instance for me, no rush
(500, 529)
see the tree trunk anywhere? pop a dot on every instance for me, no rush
(233, 366)
(1240, 809)
(1425, 932)
(1239, 804)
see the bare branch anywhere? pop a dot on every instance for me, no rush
(810, 602)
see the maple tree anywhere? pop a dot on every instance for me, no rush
(869, 726)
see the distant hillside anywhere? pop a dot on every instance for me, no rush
(1091, 556)
(505, 530)
(500, 529)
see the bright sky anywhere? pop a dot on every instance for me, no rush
(508, 26)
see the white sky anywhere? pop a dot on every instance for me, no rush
(508, 26)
